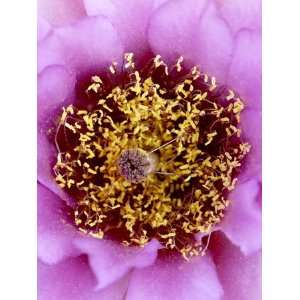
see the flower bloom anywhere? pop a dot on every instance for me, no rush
(77, 42)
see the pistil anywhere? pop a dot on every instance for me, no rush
(136, 164)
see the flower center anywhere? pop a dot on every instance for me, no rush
(135, 164)
(154, 156)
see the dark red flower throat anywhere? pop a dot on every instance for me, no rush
(151, 153)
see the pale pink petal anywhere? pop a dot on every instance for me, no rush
(50, 52)
(242, 221)
(55, 235)
(251, 128)
(61, 12)
(105, 7)
(241, 14)
(245, 71)
(130, 18)
(73, 279)
(172, 28)
(87, 45)
(43, 29)
(194, 30)
(244, 77)
(55, 85)
(45, 162)
(240, 275)
(110, 261)
(176, 279)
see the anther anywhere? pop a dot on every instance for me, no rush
(176, 187)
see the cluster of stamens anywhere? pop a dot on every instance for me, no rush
(155, 156)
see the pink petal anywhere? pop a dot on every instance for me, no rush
(240, 275)
(105, 7)
(242, 221)
(54, 234)
(43, 29)
(45, 162)
(245, 71)
(50, 52)
(172, 28)
(61, 12)
(176, 279)
(90, 44)
(110, 261)
(72, 279)
(194, 30)
(251, 127)
(130, 18)
(55, 84)
(241, 14)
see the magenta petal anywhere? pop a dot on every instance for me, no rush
(55, 84)
(240, 275)
(245, 71)
(60, 12)
(130, 18)
(89, 44)
(110, 260)
(176, 279)
(72, 279)
(54, 234)
(241, 14)
(194, 30)
(242, 221)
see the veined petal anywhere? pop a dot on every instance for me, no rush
(89, 44)
(242, 221)
(176, 279)
(55, 85)
(43, 29)
(54, 234)
(241, 14)
(239, 274)
(251, 128)
(110, 260)
(72, 279)
(244, 75)
(130, 18)
(60, 12)
(194, 30)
